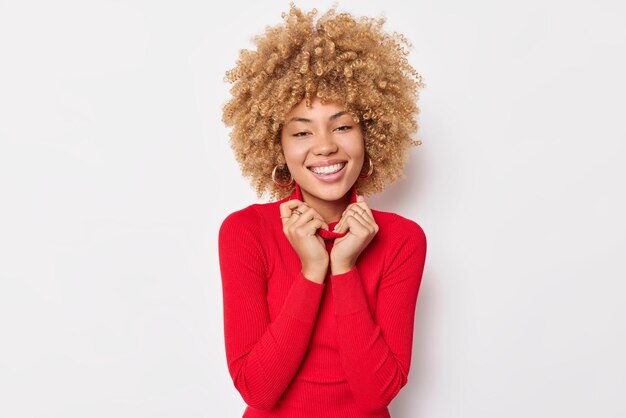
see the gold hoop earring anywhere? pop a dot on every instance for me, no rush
(283, 185)
(369, 172)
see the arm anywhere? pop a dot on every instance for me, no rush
(262, 356)
(376, 351)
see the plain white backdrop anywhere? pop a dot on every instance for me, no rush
(116, 172)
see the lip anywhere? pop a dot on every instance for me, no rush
(326, 163)
(330, 178)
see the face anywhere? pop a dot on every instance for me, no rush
(324, 138)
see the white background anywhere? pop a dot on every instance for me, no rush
(116, 172)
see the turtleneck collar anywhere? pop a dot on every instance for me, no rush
(297, 194)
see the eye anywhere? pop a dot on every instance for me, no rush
(300, 133)
(344, 127)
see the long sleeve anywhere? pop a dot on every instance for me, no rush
(262, 356)
(375, 351)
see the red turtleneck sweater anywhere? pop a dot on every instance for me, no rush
(300, 349)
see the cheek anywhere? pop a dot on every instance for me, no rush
(294, 153)
(354, 146)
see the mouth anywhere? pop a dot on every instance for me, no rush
(329, 173)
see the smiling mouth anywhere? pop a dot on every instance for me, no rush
(329, 169)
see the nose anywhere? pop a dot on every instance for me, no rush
(324, 144)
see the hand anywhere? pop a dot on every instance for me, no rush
(361, 226)
(300, 230)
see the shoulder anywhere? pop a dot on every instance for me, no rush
(399, 228)
(241, 238)
(403, 241)
(244, 218)
(397, 223)
(253, 216)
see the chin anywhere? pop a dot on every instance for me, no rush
(328, 195)
(328, 192)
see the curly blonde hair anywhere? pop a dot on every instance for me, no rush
(338, 59)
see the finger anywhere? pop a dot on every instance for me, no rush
(313, 225)
(309, 214)
(295, 214)
(317, 215)
(339, 227)
(362, 213)
(342, 221)
(292, 203)
(364, 219)
(348, 213)
(354, 208)
(355, 225)
(360, 207)
(360, 200)
(286, 209)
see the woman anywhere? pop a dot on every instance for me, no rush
(320, 289)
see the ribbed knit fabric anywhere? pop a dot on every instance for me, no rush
(300, 349)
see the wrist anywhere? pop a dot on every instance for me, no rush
(316, 273)
(341, 267)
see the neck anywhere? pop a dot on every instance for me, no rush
(330, 210)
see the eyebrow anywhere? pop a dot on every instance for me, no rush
(300, 119)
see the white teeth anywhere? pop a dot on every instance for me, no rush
(328, 169)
